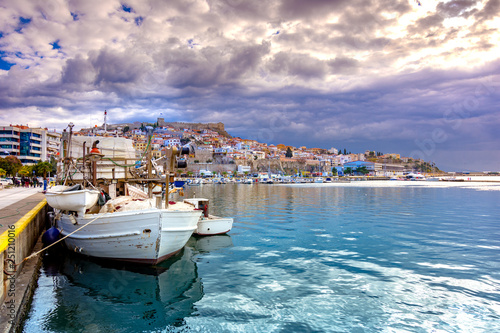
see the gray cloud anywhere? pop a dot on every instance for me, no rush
(491, 10)
(294, 64)
(381, 75)
(457, 8)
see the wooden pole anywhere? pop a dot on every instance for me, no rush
(150, 173)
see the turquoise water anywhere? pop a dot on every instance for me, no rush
(364, 257)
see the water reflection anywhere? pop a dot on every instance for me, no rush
(323, 258)
(97, 296)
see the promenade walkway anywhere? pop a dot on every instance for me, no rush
(16, 202)
(23, 209)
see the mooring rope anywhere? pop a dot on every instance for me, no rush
(45, 248)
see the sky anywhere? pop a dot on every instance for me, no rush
(418, 78)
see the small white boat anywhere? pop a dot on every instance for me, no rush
(319, 180)
(415, 176)
(72, 198)
(209, 224)
(195, 182)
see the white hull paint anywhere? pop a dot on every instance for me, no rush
(213, 225)
(209, 225)
(147, 236)
(77, 201)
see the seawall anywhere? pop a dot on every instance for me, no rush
(18, 276)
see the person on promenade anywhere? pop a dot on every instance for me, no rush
(44, 184)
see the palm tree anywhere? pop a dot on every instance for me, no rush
(25, 170)
(44, 168)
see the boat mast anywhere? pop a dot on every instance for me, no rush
(149, 166)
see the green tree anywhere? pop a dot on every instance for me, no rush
(25, 170)
(43, 168)
(11, 164)
(348, 171)
(2, 172)
(126, 129)
(363, 170)
(334, 171)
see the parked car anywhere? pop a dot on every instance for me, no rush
(5, 181)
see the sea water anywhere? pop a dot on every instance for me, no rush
(357, 257)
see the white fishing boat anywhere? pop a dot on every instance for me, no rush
(319, 180)
(107, 217)
(130, 229)
(209, 224)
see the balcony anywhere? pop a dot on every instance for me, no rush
(15, 136)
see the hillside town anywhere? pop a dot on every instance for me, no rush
(216, 151)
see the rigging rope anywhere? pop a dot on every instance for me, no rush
(61, 239)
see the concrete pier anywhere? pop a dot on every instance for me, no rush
(22, 219)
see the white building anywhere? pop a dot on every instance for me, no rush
(244, 168)
(172, 142)
(53, 144)
(334, 151)
(29, 145)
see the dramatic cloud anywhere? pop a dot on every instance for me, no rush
(419, 78)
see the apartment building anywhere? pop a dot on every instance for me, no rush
(30, 145)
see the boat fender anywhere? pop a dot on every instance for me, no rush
(72, 219)
(50, 236)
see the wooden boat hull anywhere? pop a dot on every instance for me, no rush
(147, 236)
(213, 225)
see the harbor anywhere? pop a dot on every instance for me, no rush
(361, 256)
(163, 250)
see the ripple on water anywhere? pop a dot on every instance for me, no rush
(356, 258)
